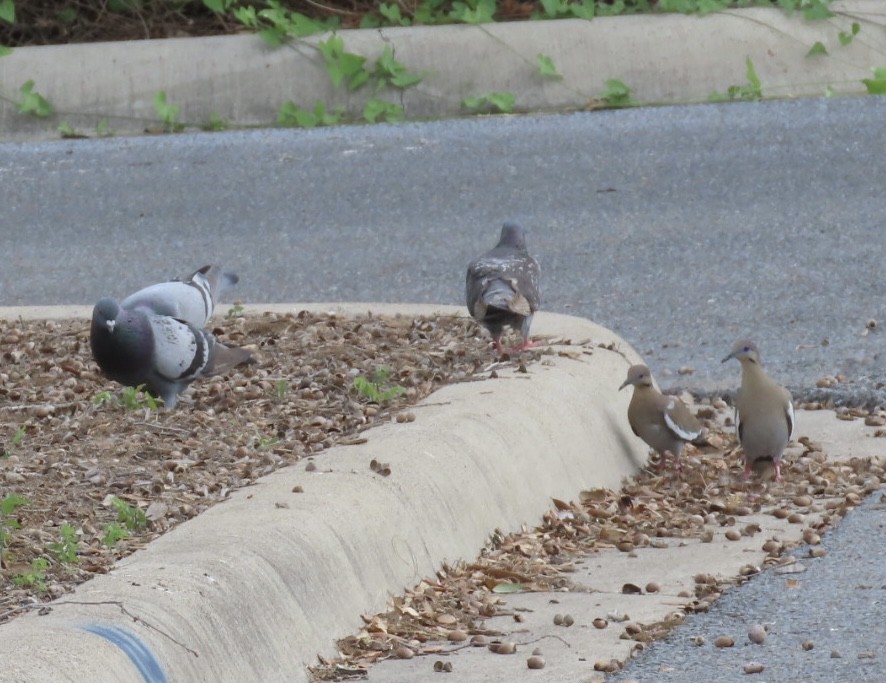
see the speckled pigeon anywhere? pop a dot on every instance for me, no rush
(502, 287)
(191, 299)
(764, 413)
(663, 422)
(165, 354)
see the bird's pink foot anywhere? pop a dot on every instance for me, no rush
(527, 344)
(747, 471)
(778, 472)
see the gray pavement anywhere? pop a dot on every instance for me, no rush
(837, 606)
(680, 228)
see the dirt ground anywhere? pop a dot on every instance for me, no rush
(74, 444)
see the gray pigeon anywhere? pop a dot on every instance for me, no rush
(191, 299)
(502, 287)
(163, 353)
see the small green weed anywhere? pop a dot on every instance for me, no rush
(379, 387)
(131, 516)
(16, 441)
(546, 67)
(235, 311)
(290, 114)
(616, 94)
(473, 11)
(113, 534)
(136, 398)
(752, 90)
(65, 549)
(502, 102)
(35, 577)
(33, 102)
(8, 505)
(846, 38)
(376, 110)
(167, 112)
(877, 84)
(281, 388)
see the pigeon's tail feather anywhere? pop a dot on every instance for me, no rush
(498, 294)
(224, 358)
(218, 281)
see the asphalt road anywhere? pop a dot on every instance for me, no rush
(681, 228)
(837, 606)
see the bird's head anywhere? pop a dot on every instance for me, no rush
(638, 376)
(744, 351)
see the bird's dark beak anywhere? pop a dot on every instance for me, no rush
(730, 356)
(111, 324)
(624, 384)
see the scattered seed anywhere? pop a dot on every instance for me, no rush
(456, 636)
(568, 620)
(724, 641)
(446, 619)
(757, 634)
(310, 466)
(817, 552)
(803, 501)
(796, 518)
(298, 489)
(479, 640)
(558, 619)
(535, 662)
(608, 667)
(835, 654)
(404, 652)
(807, 645)
(753, 668)
(653, 587)
(732, 535)
(506, 648)
(600, 622)
(631, 589)
(698, 640)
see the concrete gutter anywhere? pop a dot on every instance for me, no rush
(664, 59)
(256, 587)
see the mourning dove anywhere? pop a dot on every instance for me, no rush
(501, 287)
(764, 414)
(663, 422)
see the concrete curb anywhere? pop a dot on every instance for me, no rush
(664, 59)
(254, 588)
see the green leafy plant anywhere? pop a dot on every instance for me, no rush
(214, 124)
(376, 110)
(546, 67)
(491, 102)
(281, 388)
(16, 440)
(344, 68)
(388, 71)
(132, 517)
(752, 90)
(8, 522)
(235, 311)
(113, 534)
(35, 577)
(65, 549)
(877, 84)
(616, 94)
(290, 114)
(473, 11)
(817, 49)
(167, 112)
(846, 38)
(378, 388)
(33, 102)
(136, 398)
